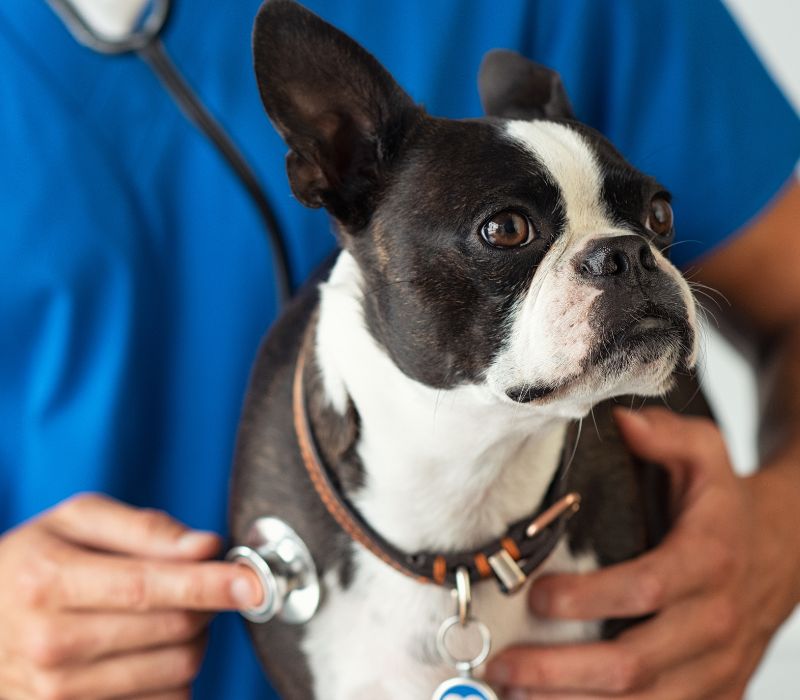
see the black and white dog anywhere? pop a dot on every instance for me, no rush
(498, 279)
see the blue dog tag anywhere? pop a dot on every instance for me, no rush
(464, 689)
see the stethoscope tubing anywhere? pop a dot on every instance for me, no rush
(145, 42)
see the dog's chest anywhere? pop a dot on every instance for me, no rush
(443, 470)
(375, 639)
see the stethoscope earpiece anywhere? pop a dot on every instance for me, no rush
(113, 30)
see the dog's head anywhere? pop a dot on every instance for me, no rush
(519, 251)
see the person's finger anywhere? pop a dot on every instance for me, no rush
(184, 694)
(681, 633)
(69, 638)
(577, 668)
(522, 694)
(683, 564)
(168, 669)
(630, 663)
(635, 662)
(674, 441)
(100, 522)
(14, 678)
(93, 581)
(722, 675)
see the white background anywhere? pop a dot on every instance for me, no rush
(773, 27)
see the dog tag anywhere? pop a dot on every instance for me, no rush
(463, 687)
(466, 688)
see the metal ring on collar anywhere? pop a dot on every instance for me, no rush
(463, 595)
(463, 665)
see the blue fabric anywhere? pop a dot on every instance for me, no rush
(136, 281)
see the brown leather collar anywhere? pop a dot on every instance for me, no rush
(511, 558)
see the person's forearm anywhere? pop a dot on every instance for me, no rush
(779, 436)
(756, 271)
(777, 485)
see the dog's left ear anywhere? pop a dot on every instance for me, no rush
(340, 112)
(513, 87)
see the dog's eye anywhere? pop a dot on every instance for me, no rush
(659, 219)
(508, 229)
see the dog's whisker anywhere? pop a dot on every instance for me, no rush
(596, 428)
(709, 292)
(705, 313)
(672, 245)
(691, 398)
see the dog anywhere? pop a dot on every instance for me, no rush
(498, 279)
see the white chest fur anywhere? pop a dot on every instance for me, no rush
(444, 470)
(376, 639)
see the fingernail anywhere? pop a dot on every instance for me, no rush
(498, 672)
(195, 540)
(244, 593)
(517, 695)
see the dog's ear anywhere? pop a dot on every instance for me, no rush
(341, 113)
(513, 87)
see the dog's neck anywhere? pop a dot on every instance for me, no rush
(444, 469)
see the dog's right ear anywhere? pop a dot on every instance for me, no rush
(513, 87)
(341, 113)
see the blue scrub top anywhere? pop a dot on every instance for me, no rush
(137, 283)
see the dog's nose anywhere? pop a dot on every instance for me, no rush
(620, 257)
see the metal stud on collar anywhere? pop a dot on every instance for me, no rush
(566, 506)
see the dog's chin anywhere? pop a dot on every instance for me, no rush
(640, 358)
(646, 340)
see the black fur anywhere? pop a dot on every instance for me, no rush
(513, 87)
(343, 117)
(436, 293)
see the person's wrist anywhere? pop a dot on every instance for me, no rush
(775, 499)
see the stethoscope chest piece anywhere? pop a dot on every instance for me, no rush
(285, 568)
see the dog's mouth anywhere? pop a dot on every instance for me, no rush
(646, 337)
(653, 334)
(532, 392)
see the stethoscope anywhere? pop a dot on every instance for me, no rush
(272, 549)
(143, 39)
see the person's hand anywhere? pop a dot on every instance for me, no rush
(718, 587)
(101, 600)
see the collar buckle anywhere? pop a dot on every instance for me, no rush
(508, 572)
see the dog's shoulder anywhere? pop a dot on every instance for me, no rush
(268, 475)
